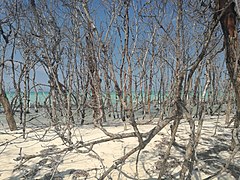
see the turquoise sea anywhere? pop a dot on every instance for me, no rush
(43, 95)
(114, 98)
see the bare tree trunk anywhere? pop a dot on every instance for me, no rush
(136, 93)
(151, 77)
(109, 105)
(229, 27)
(53, 101)
(25, 98)
(196, 91)
(84, 99)
(8, 110)
(162, 91)
(121, 76)
(141, 94)
(93, 72)
(3, 97)
(179, 75)
(126, 44)
(69, 94)
(145, 93)
(35, 90)
(125, 94)
(229, 104)
(95, 81)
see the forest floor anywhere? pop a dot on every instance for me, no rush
(43, 153)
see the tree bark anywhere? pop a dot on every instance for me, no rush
(3, 97)
(8, 111)
(92, 63)
(229, 27)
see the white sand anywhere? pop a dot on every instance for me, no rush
(212, 153)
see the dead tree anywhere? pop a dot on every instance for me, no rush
(95, 80)
(3, 97)
(228, 22)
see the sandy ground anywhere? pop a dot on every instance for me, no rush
(212, 153)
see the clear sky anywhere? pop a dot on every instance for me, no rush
(145, 9)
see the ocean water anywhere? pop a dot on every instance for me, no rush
(43, 95)
(115, 98)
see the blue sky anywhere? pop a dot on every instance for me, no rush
(101, 20)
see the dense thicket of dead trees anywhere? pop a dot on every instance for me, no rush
(126, 60)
